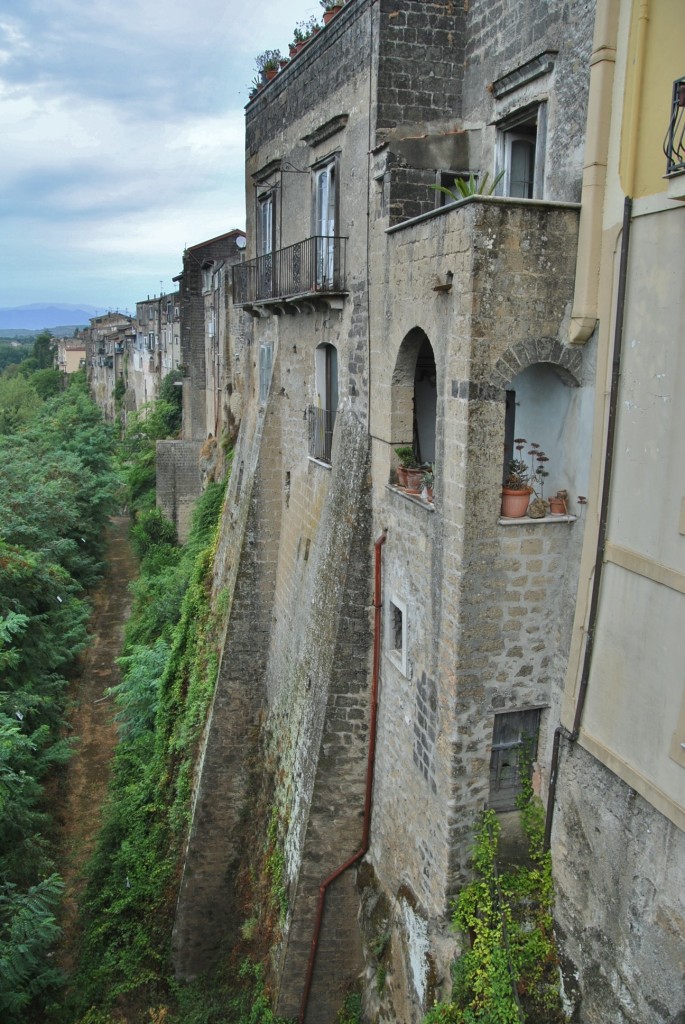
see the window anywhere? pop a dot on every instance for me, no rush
(325, 221)
(265, 224)
(207, 277)
(414, 397)
(446, 179)
(397, 633)
(265, 364)
(514, 748)
(521, 150)
(322, 413)
(265, 244)
(520, 164)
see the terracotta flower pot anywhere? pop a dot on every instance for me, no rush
(515, 502)
(270, 74)
(558, 507)
(331, 13)
(415, 480)
(401, 476)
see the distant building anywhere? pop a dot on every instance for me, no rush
(107, 339)
(213, 340)
(155, 350)
(70, 353)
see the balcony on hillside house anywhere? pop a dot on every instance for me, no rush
(674, 143)
(305, 276)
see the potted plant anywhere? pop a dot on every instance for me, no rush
(298, 40)
(558, 504)
(267, 64)
(516, 489)
(256, 86)
(405, 453)
(473, 186)
(330, 9)
(428, 478)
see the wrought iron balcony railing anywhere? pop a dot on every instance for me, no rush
(674, 143)
(320, 433)
(313, 266)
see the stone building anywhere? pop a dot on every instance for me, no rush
(107, 339)
(377, 641)
(212, 337)
(211, 353)
(70, 354)
(155, 350)
(618, 828)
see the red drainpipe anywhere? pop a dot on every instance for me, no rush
(370, 765)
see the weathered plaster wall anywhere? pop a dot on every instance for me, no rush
(619, 873)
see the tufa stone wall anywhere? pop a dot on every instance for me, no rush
(320, 726)
(179, 483)
(208, 913)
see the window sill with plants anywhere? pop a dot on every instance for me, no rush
(523, 491)
(414, 481)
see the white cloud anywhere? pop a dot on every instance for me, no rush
(124, 121)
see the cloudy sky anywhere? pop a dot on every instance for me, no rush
(122, 138)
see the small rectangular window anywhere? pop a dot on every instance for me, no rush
(521, 153)
(397, 633)
(446, 179)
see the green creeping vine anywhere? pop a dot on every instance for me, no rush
(169, 670)
(508, 972)
(275, 867)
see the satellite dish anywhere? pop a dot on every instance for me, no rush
(241, 241)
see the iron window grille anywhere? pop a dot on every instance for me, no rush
(320, 433)
(674, 143)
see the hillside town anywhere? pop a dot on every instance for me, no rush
(462, 260)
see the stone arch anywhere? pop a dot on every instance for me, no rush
(414, 395)
(566, 362)
(546, 403)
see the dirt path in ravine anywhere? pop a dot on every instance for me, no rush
(81, 791)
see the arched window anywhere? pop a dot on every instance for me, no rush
(414, 397)
(544, 405)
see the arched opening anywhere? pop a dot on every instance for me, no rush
(414, 397)
(544, 405)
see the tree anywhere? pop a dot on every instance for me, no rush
(43, 350)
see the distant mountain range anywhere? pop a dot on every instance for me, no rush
(44, 315)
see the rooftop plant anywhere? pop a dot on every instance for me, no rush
(471, 186)
(267, 61)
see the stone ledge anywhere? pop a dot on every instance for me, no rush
(529, 521)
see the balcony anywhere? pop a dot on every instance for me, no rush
(674, 143)
(307, 275)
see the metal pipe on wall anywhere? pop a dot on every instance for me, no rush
(370, 765)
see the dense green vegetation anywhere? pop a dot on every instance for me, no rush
(57, 486)
(508, 971)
